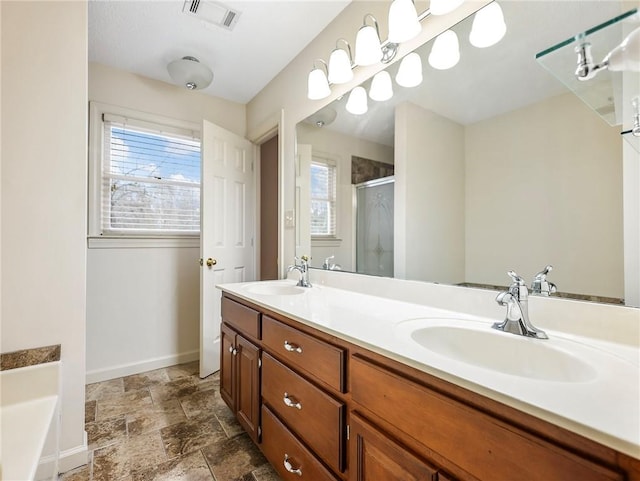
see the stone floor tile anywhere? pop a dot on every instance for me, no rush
(111, 463)
(99, 390)
(191, 467)
(179, 388)
(83, 473)
(154, 417)
(119, 404)
(145, 451)
(90, 411)
(266, 473)
(191, 435)
(233, 459)
(226, 417)
(146, 379)
(102, 433)
(188, 369)
(200, 402)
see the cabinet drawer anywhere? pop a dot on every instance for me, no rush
(241, 317)
(311, 413)
(485, 447)
(284, 451)
(317, 358)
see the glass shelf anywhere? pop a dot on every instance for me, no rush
(609, 94)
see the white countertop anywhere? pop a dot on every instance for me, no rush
(604, 408)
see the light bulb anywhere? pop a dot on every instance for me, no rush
(317, 85)
(403, 21)
(488, 26)
(340, 67)
(368, 49)
(357, 101)
(381, 87)
(445, 52)
(410, 71)
(442, 7)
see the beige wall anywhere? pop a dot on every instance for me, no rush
(430, 194)
(44, 119)
(546, 188)
(144, 292)
(339, 148)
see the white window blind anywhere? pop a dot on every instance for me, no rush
(150, 178)
(323, 199)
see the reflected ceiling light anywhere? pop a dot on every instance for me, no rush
(340, 64)
(318, 84)
(625, 56)
(442, 7)
(381, 87)
(410, 71)
(488, 26)
(368, 49)
(357, 101)
(322, 117)
(403, 21)
(445, 52)
(190, 73)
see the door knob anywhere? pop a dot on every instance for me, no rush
(211, 262)
(201, 263)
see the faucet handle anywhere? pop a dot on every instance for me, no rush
(517, 280)
(542, 275)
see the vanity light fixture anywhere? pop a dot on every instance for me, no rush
(368, 48)
(410, 71)
(317, 83)
(403, 21)
(357, 101)
(381, 87)
(190, 73)
(442, 7)
(445, 52)
(340, 64)
(625, 56)
(488, 26)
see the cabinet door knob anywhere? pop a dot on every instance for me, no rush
(292, 347)
(231, 349)
(291, 402)
(289, 467)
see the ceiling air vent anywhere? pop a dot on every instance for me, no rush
(211, 13)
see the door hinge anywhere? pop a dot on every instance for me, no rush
(259, 363)
(259, 431)
(348, 432)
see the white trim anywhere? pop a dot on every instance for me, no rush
(130, 242)
(328, 242)
(114, 372)
(69, 459)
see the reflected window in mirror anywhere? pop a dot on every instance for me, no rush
(323, 199)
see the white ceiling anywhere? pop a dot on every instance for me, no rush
(143, 36)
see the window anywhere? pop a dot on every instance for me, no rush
(146, 181)
(323, 199)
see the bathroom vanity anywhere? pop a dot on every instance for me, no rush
(336, 385)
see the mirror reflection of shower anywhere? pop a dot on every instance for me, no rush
(374, 227)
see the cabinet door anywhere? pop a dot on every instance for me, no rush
(227, 366)
(248, 386)
(378, 457)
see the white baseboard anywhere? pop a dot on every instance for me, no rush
(121, 370)
(69, 459)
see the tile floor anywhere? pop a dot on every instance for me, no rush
(166, 424)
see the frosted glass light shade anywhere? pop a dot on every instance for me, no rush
(340, 67)
(357, 101)
(410, 71)
(445, 52)
(317, 85)
(381, 87)
(368, 50)
(403, 21)
(190, 73)
(626, 56)
(442, 7)
(488, 26)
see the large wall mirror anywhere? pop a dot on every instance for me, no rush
(493, 164)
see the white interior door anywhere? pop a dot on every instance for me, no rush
(227, 226)
(303, 200)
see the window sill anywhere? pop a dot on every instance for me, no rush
(117, 242)
(326, 242)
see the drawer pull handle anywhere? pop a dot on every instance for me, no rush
(292, 347)
(290, 402)
(289, 467)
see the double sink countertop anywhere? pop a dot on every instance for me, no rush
(584, 384)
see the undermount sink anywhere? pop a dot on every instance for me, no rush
(477, 344)
(274, 289)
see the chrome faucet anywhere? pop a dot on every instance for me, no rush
(540, 285)
(327, 263)
(302, 266)
(516, 299)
